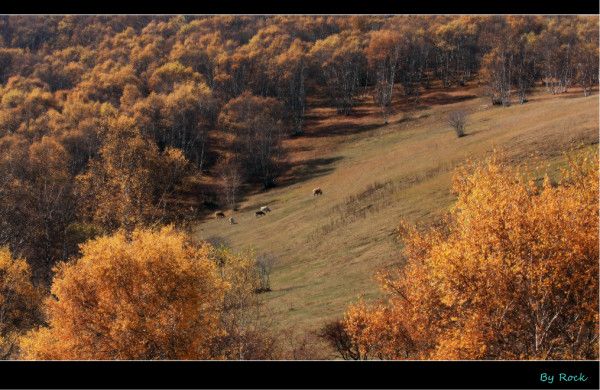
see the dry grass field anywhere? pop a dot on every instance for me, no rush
(373, 175)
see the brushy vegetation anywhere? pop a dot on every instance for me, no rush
(511, 274)
(458, 121)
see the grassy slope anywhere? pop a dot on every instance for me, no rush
(329, 248)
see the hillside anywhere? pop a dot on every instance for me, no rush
(329, 247)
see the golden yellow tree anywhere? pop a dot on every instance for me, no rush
(19, 302)
(511, 274)
(127, 185)
(152, 295)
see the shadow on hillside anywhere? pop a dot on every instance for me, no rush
(406, 119)
(218, 241)
(427, 101)
(308, 169)
(341, 129)
(316, 120)
(287, 289)
(575, 94)
(441, 98)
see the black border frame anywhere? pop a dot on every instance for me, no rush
(259, 7)
(296, 374)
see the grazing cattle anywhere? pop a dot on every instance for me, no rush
(259, 213)
(317, 191)
(219, 214)
(232, 221)
(265, 209)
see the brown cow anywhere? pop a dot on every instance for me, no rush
(219, 214)
(259, 213)
(317, 191)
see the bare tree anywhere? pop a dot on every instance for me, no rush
(382, 95)
(335, 334)
(301, 345)
(383, 55)
(231, 180)
(497, 67)
(587, 67)
(264, 267)
(458, 121)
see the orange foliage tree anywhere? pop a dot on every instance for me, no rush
(19, 302)
(127, 185)
(511, 274)
(152, 295)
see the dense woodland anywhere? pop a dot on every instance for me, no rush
(111, 127)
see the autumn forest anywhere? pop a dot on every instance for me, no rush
(180, 187)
